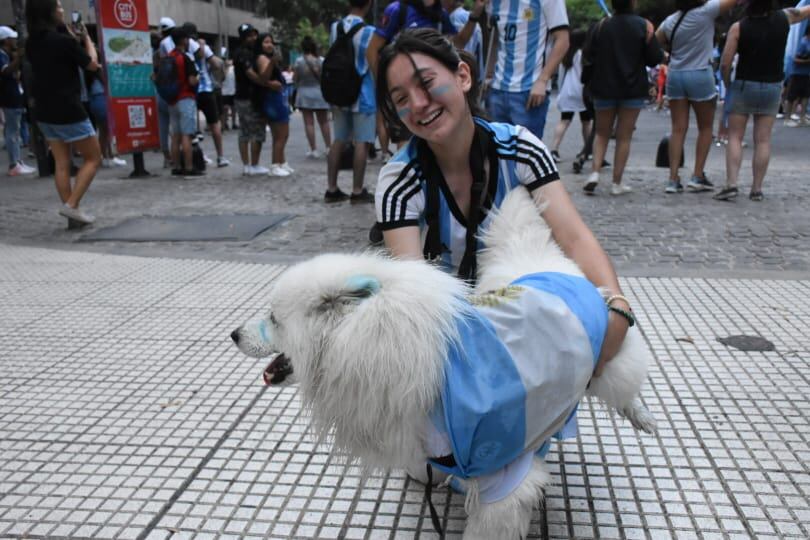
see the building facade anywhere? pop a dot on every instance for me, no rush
(214, 18)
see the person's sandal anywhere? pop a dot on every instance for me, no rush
(756, 196)
(726, 194)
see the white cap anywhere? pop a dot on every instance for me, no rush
(167, 23)
(6, 32)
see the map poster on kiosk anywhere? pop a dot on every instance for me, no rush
(127, 54)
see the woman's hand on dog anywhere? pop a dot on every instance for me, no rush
(617, 329)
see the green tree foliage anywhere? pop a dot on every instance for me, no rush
(293, 19)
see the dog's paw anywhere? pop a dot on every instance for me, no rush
(639, 417)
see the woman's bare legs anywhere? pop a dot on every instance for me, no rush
(679, 115)
(736, 132)
(280, 132)
(604, 127)
(559, 133)
(309, 128)
(763, 127)
(326, 129)
(91, 154)
(704, 111)
(625, 125)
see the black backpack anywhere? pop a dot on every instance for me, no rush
(340, 82)
(167, 79)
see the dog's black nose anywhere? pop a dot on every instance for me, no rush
(235, 336)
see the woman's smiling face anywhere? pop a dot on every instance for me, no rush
(428, 97)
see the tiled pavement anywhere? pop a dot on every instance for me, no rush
(126, 413)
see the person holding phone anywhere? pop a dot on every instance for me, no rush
(57, 53)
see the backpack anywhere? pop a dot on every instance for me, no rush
(340, 82)
(167, 79)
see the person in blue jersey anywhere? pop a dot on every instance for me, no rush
(357, 123)
(532, 39)
(458, 166)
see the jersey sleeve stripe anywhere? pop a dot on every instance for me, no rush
(403, 205)
(405, 179)
(543, 159)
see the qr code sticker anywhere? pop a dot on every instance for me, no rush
(137, 116)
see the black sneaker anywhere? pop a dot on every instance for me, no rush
(726, 194)
(362, 197)
(178, 172)
(194, 172)
(334, 196)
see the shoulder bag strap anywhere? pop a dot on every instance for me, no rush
(675, 29)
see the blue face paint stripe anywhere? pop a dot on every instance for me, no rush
(264, 330)
(403, 112)
(440, 90)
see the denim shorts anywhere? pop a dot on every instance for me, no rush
(752, 97)
(354, 126)
(67, 132)
(691, 84)
(510, 107)
(183, 117)
(632, 103)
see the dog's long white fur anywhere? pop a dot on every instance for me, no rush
(371, 369)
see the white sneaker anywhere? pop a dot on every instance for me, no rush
(620, 189)
(118, 162)
(222, 161)
(795, 117)
(105, 163)
(20, 170)
(207, 160)
(791, 123)
(278, 170)
(76, 214)
(590, 185)
(26, 169)
(259, 170)
(286, 167)
(314, 154)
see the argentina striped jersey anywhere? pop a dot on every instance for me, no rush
(401, 192)
(523, 29)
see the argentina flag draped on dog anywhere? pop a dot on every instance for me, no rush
(521, 365)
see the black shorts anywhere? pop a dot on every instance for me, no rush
(799, 87)
(207, 103)
(227, 100)
(584, 116)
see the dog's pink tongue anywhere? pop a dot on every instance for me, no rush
(277, 370)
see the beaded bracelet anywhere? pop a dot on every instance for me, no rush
(631, 320)
(615, 297)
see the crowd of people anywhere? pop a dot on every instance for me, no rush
(603, 74)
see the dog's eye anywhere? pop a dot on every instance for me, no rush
(273, 320)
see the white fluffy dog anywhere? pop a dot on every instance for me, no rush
(369, 336)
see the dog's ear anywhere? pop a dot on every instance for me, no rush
(356, 289)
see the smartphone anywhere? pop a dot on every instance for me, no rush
(76, 18)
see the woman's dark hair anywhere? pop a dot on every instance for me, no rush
(431, 43)
(760, 7)
(622, 6)
(577, 40)
(39, 15)
(257, 47)
(309, 46)
(684, 5)
(359, 3)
